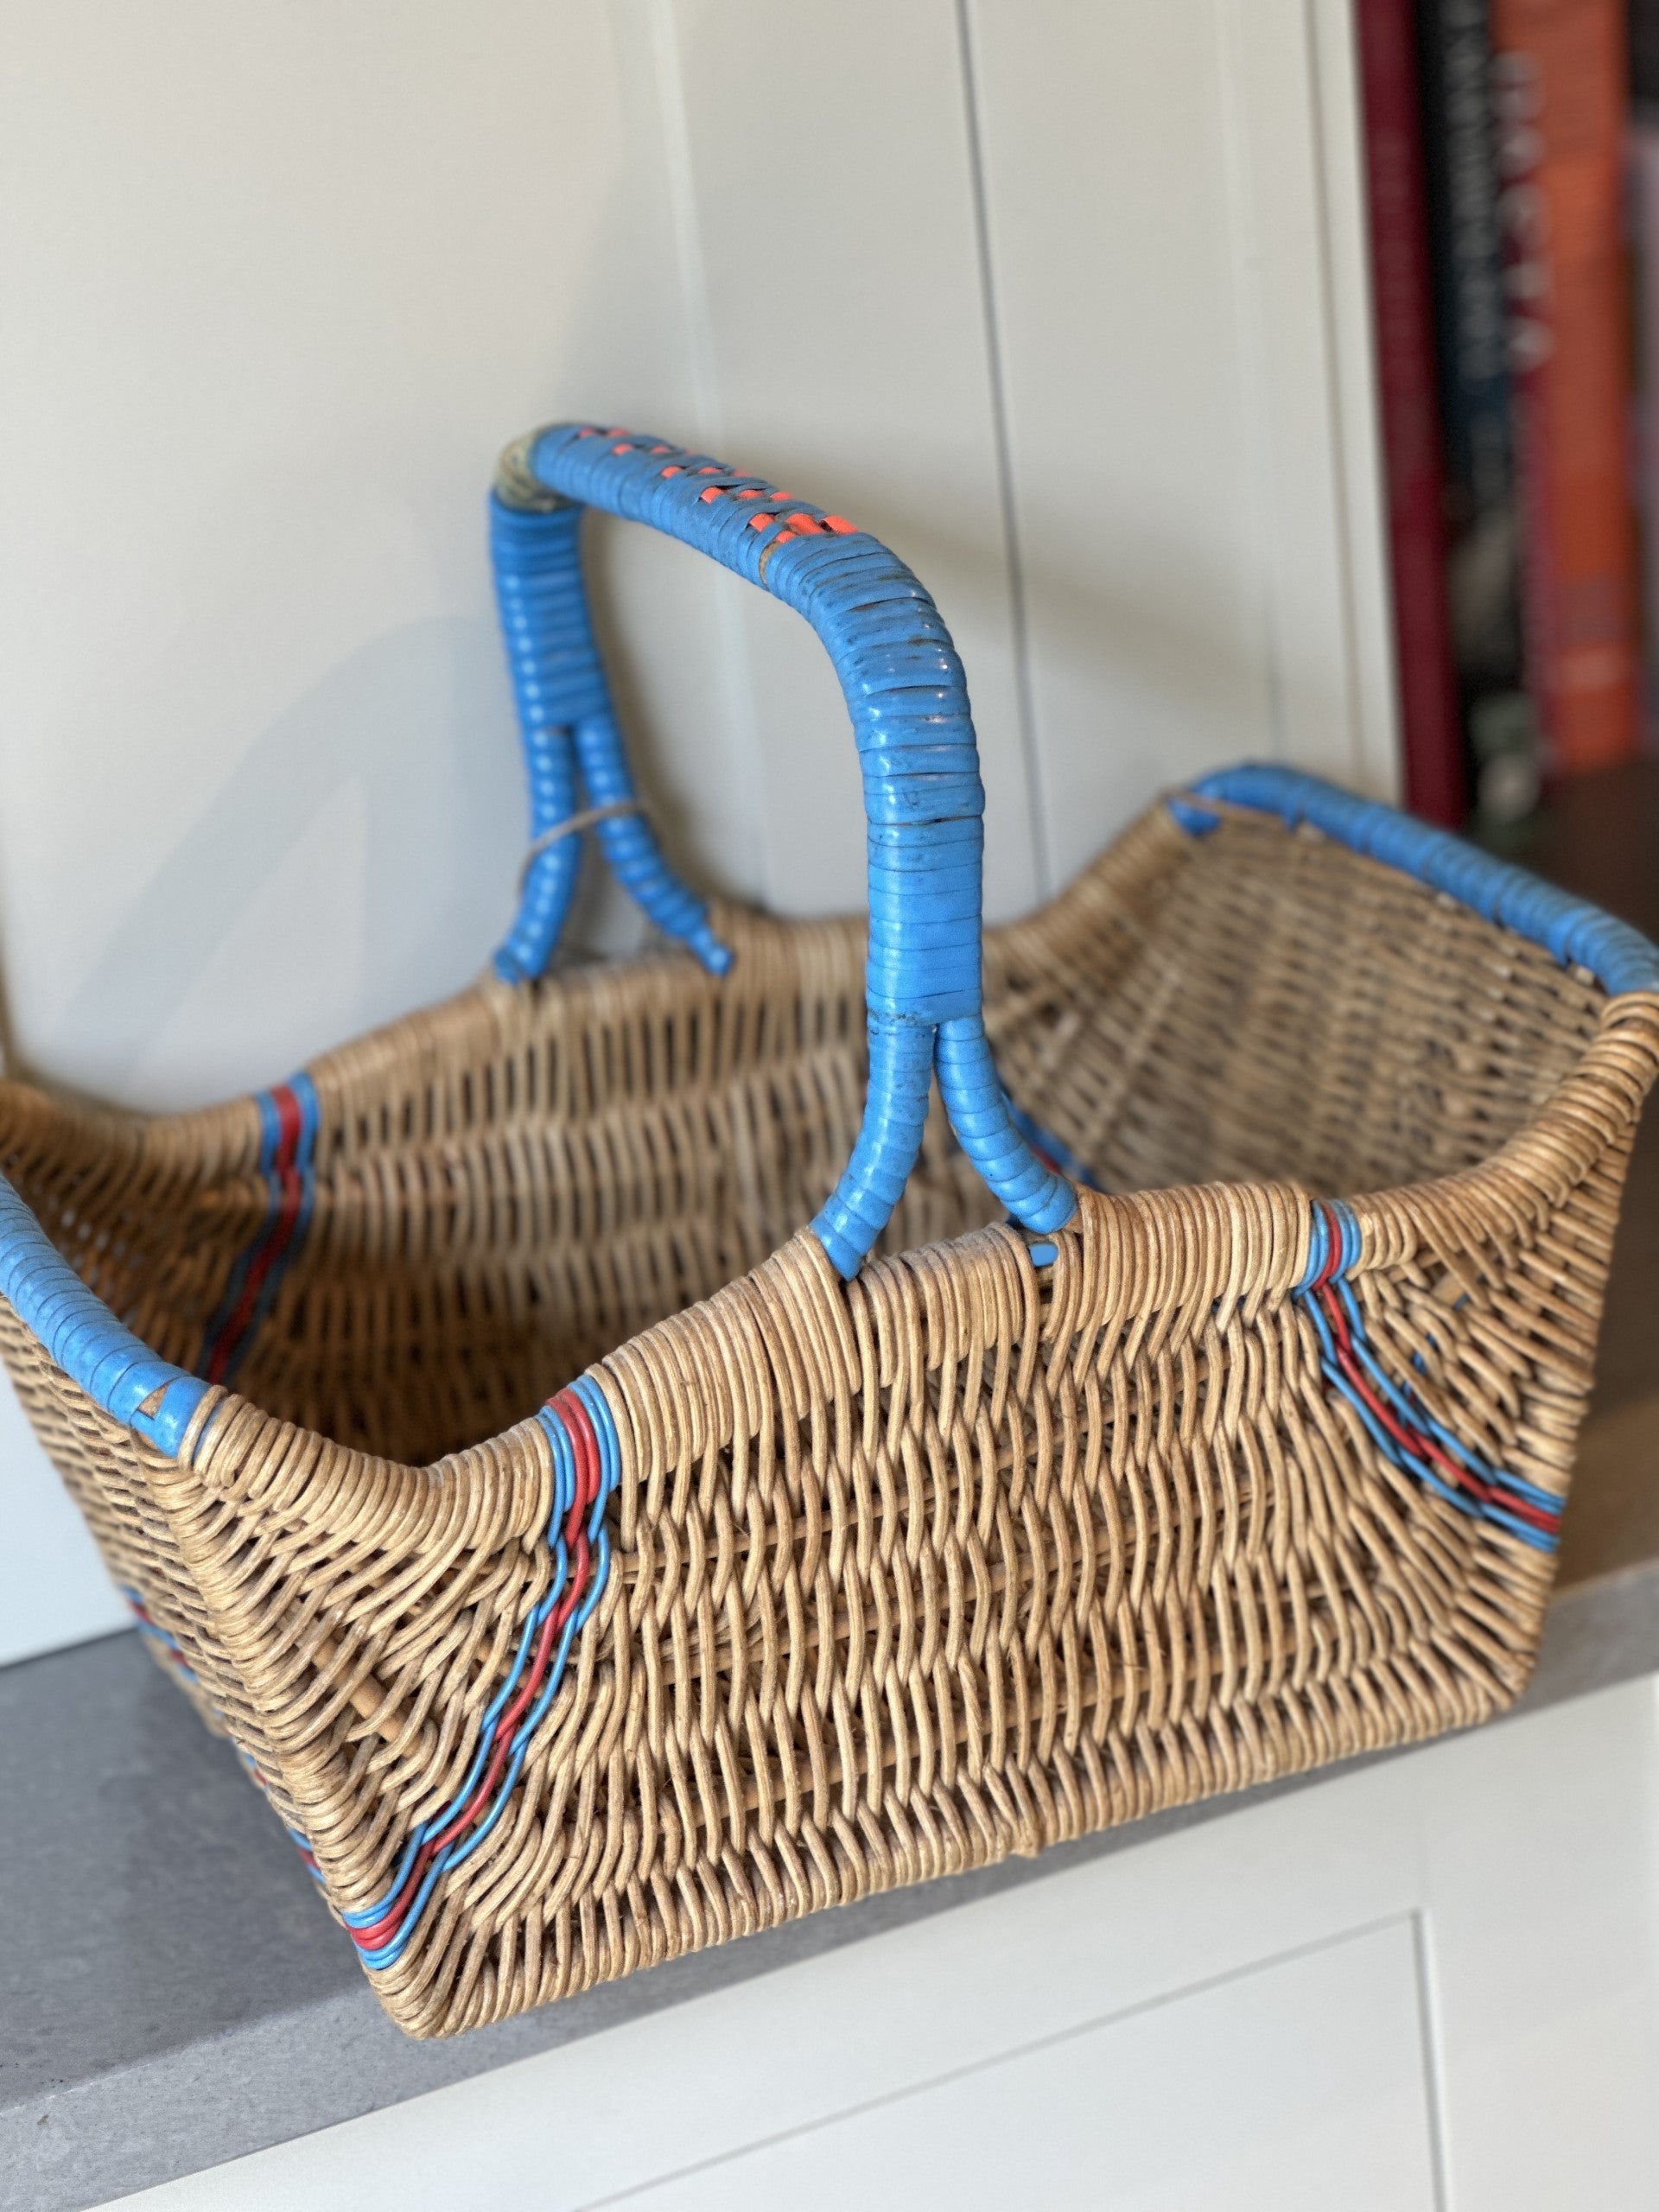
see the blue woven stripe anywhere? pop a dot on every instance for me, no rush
(462, 1847)
(1409, 1407)
(304, 1166)
(1324, 1279)
(1619, 957)
(153, 1633)
(215, 1337)
(78, 1330)
(923, 799)
(1049, 1146)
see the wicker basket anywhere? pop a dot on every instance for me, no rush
(831, 1572)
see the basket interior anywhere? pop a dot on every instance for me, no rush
(509, 1187)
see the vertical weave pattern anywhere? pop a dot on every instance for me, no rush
(954, 1560)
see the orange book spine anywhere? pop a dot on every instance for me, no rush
(1561, 79)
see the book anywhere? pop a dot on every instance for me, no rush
(1559, 80)
(1642, 160)
(1481, 508)
(1402, 312)
(1643, 168)
(1641, 22)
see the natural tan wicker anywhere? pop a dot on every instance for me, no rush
(994, 1544)
(912, 1573)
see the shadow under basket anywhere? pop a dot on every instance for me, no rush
(832, 1572)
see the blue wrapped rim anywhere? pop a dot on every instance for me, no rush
(1578, 934)
(78, 1331)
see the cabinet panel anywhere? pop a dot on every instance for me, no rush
(1454, 1952)
(1165, 237)
(841, 311)
(1129, 420)
(1297, 2087)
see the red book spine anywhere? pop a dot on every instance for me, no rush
(1643, 158)
(1561, 73)
(1402, 309)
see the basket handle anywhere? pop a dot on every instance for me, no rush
(922, 798)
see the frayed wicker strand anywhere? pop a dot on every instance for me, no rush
(575, 826)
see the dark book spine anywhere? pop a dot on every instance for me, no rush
(1643, 20)
(1481, 513)
(1643, 158)
(1432, 743)
(1562, 76)
(1643, 24)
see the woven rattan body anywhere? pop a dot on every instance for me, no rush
(974, 1552)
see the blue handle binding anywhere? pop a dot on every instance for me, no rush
(908, 699)
(571, 738)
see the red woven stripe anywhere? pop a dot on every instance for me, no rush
(1418, 1440)
(276, 1234)
(585, 1444)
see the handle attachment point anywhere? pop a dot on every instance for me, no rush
(517, 486)
(572, 826)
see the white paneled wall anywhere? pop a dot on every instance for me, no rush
(1066, 299)
(830, 181)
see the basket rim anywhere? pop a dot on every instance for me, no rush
(162, 1402)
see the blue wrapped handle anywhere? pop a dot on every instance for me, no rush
(573, 746)
(923, 797)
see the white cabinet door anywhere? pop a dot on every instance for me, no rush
(833, 256)
(1174, 251)
(1298, 2087)
(1433, 1981)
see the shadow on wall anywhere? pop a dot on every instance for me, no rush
(1148, 669)
(362, 857)
(377, 830)
(407, 751)
(1148, 658)
(357, 744)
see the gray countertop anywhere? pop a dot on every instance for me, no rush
(173, 1993)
